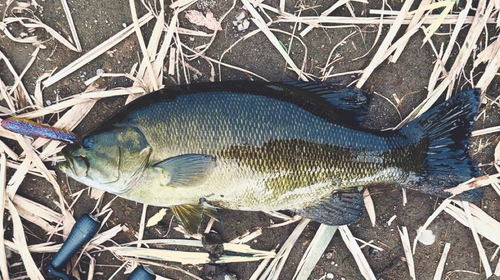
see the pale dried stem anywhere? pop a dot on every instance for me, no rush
(145, 53)
(324, 14)
(71, 24)
(274, 269)
(19, 239)
(314, 251)
(97, 51)
(356, 252)
(416, 18)
(32, 24)
(479, 246)
(379, 55)
(317, 21)
(485, 131)
(442, 262)
(405, 239)
(447, 83)
(370, 207)
(6, 96)
(19, 80)
(3, 258)
(484, 224)
(259, 21)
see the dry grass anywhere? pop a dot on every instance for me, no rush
(164, 41)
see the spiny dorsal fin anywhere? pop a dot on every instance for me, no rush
(190, 215)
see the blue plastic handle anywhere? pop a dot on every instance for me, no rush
(142, 273)
(81, 233)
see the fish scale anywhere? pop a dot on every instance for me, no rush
(258, 146)
(260, 140)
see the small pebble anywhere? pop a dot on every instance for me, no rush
(427, 237)
(372, 252)
(240, 16)
(246, 24)
(228, 276)
(329, 276)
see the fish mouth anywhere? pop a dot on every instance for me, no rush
(74, 166)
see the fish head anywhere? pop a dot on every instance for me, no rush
(111, 161)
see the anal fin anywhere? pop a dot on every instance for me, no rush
(338, 209)
(190, 215)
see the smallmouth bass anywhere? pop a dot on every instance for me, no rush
(270, 146)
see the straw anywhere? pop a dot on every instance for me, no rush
(492, 67)
(378, 57)
(479, 246)
(474, 183)
(259, 21)
(476, 29)
(405, 239)
(314, 251)
(324, 14)
(156, 218)
(370, 207)
(317, 21)
(20, 241)
(353, 247)
(145, 53)
(416, 18)
(484, 224)
(97, 51)
(3, 258)
(274, 269)
(442, 262)
(71, 25)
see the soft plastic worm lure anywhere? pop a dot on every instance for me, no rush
(30, 128)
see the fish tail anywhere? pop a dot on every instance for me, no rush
(446, 129)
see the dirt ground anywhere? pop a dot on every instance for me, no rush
(407, 79)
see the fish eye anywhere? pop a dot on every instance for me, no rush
(87, 142)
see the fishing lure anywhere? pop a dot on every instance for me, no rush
(30, 128)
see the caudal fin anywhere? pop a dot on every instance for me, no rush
(447, 129)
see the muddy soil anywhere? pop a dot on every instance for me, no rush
(407, 79)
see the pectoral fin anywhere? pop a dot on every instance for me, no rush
(187, 170)
(190, 215)
(338, 209)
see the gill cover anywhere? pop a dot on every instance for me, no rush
(111, 160)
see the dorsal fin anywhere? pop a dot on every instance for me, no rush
(347, 107)
(352, 104)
